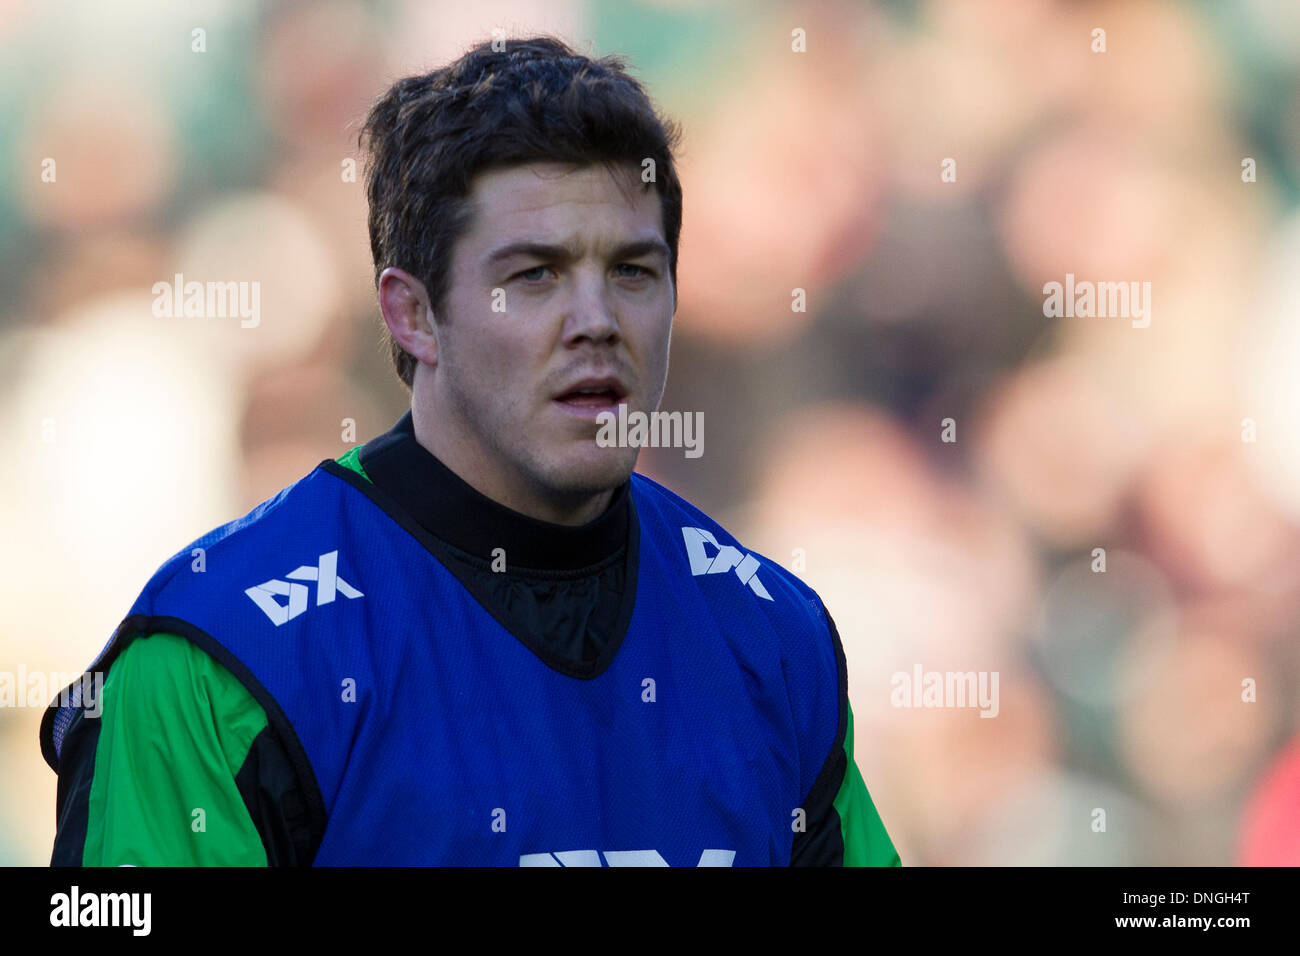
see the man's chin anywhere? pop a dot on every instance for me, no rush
(592, 470)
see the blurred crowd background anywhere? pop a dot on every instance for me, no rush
(1175, 448)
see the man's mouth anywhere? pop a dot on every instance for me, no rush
(600, 398)
(589, 397)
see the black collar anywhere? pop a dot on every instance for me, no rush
(451, 509)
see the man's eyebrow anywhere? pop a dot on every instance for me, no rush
(544, 250)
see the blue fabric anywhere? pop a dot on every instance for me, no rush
(462, 747)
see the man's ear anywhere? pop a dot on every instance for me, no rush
(404, 303)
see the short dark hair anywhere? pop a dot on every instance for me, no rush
(527, 100)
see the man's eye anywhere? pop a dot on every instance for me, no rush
(528, 275)
(640, 270)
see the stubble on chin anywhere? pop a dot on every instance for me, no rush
(583, 477)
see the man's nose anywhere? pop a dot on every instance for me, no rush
(592, 314)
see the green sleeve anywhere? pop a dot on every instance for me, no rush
(866, 843)
(177, 726)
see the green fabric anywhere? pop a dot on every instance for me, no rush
(352, 459)
(866, 842)
(177, 726)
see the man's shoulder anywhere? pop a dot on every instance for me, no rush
(712, 549)
(252, 534)
(167, 674)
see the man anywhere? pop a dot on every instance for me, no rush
(480, 638)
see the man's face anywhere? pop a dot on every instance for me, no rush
(562, 280)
